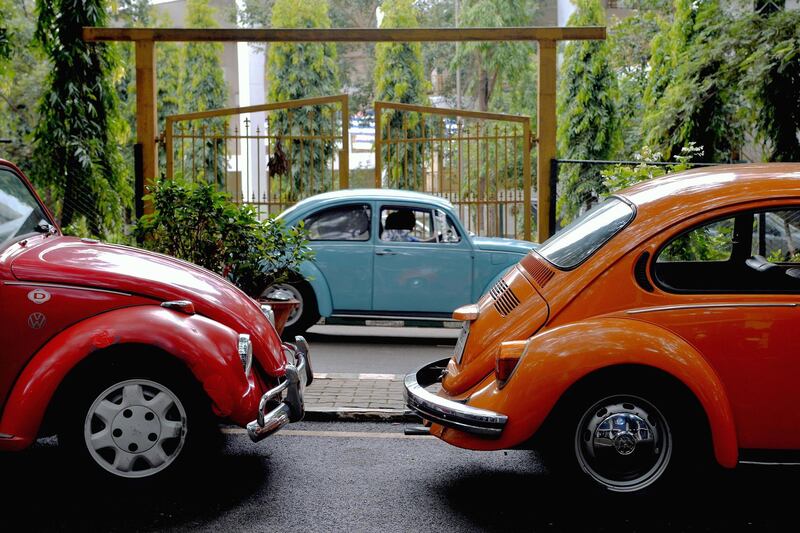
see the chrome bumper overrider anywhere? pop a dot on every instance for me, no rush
(289, 393)
(448, 412)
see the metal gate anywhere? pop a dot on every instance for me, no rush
(269, 155)
(481, 162)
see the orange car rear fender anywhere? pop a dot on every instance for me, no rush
(206, 347)
(559, 357)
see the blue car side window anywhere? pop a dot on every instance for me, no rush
(406, 224)
(341, 223)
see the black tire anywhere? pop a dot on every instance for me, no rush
(132, 418)
(306, 315)
(626, 436)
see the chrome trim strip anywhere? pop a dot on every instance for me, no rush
(706, 306)
(6, 436)
(448, 412)
(62, 286)
(767, 463)
(394, 317)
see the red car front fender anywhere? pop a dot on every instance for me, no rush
(207, 348)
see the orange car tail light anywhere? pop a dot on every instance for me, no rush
(507, 358)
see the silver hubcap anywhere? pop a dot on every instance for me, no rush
(623, 443)
(297, 312)
(135, 428)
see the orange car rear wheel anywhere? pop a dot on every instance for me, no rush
(623, 442)
(626, 430)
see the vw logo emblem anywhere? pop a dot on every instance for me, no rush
(625, 443)
(37, 320)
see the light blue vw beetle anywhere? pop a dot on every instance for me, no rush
(390, 254)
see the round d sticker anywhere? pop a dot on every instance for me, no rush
(39, 296)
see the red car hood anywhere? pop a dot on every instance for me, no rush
(71, 261)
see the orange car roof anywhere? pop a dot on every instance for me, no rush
(694, 191)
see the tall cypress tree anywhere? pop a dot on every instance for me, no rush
(400, 78)
(77, 138)
(203, 88)
(303, 70)
(587, 118)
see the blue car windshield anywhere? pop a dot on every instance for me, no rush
(574, 244)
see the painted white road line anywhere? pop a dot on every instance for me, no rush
(334, 434)
(334, 375)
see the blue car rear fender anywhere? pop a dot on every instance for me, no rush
(319, 284)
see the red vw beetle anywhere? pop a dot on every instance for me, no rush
(130, 357)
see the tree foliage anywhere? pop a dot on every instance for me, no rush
(203, 88)
(690, 96)
(400, 78)
(495, 64)
(77, 138)
(128, 14)
(303, 70)
(768, 51)
(5, 35)
(587, 118)
(22, 74)
(197, 223)
(629, 44)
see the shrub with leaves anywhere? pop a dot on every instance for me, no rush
(703, 244)
(196, 223)
(622, 176)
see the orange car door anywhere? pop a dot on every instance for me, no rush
(736, 298)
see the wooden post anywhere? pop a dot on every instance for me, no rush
(146, 119)
(546, 135)
(344, 156)
(377, 144)
(526, 178)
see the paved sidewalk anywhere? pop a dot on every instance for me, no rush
(356, 396)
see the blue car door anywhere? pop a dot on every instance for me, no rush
(422, 264)
(341, 239)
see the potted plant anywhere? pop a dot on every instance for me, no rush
(197, 223)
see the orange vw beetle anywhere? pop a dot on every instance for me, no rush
(656, 330)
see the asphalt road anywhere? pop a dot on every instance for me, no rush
(359, 349)
(370, 477)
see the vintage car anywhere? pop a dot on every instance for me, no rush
(390, 254)
(130, 357)
(654, 332)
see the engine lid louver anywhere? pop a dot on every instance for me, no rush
(504, 298)
(540, 272)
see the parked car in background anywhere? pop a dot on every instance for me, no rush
(131, 357)
(393, 254)
(655, 332)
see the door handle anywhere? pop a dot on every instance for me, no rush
(386, 252)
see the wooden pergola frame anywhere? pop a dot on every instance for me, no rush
(546, 37)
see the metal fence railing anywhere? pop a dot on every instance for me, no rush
(269, 155)
(481, 162)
